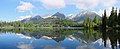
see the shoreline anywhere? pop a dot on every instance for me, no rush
(41, 27)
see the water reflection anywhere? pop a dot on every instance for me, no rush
(113, 36)
(59, 39)
(85, 47)
(53, 47)
(22, 45)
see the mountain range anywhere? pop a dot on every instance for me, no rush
(83, 15)
(76, 17)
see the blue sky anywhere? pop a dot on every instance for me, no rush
(11, 10)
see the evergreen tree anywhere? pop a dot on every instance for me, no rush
(87, 23)
(115, 18)
(90, 23)
(95, 20)
(104, 19)
(111, 18)
(119, 18)
(0, 24)
(84, 23)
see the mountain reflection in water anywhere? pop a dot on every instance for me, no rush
(59, 39)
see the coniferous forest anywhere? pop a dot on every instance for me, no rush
(112, 21)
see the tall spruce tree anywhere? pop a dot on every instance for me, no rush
(90, 23)
(115, 18)
(111, 18)
(85, 22)
(119, 18)
(104, 19)
(95, 20)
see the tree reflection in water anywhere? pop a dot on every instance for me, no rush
(86, 36)
(113, 36)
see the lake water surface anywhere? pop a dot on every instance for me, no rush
(59, 39)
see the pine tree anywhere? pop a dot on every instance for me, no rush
(104, 19)
(119, 18)
(90, 23)
(115, 18)
(111, 18)
(87, 22)
(84, 23)
(95, 20)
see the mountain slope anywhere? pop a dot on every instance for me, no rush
(32, 19)
(83, 15)
(59, 15)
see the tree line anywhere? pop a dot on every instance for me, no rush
(112, 21)
(95, 23)
(56, 23)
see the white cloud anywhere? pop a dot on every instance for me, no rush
(83, 4)
(22, 45)
(108, 3)
(53, 47)
(85, 47)
(91, 4)
(86, 4)
(53, 4)
(100, 12)
(24, 36)
(25, 6)
(23, 17)
(31, 12)
(46, 16)
(108, 11)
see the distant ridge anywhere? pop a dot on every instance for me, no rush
(49, 18)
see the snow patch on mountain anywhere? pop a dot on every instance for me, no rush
(70, 16)
(46, 16)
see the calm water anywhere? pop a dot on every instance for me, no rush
(58, 39)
